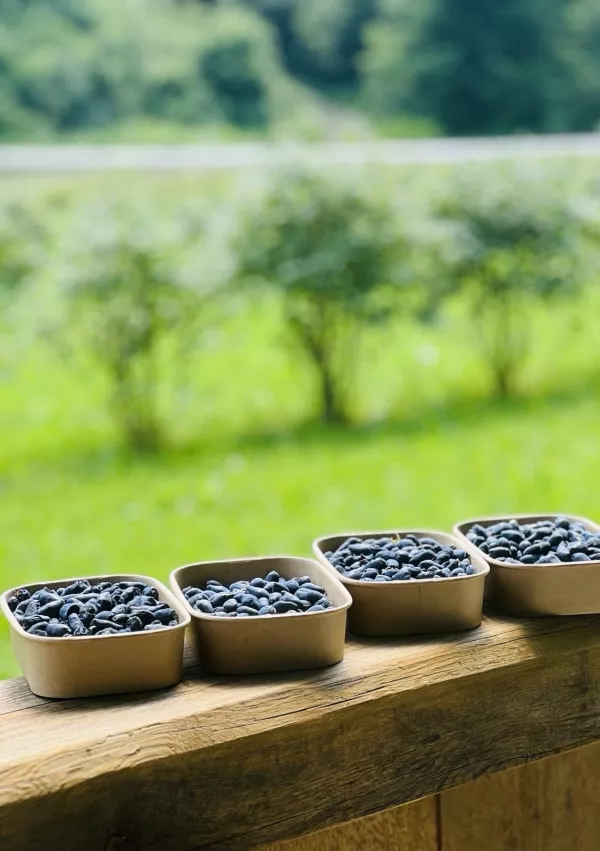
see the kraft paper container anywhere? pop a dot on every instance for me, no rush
(570, 588)
(410, 607)
(93, 665)
(265, 642)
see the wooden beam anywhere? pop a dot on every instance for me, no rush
(235, 763)
(411, 827)
(548, 805)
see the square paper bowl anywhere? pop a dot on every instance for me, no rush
(92, 665)
(536, 590)
(265, 642)
(410, 607)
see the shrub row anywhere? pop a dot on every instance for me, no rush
(341, 254)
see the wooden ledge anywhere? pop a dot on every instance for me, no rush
(232, 764)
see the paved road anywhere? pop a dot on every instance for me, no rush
(86, 158)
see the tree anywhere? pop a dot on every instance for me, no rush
(320, 41)
(21, 241)
(485, 67)
(67, 66)
(502, 242)
(133, 281)
(326, 248)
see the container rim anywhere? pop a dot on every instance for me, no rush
(184, 617)
(178, 591)
(480, 563)
(496, 518)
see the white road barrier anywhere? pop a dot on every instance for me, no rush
(226, 157)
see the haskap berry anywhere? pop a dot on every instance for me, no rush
(393, 559)
(105, 608)
(269, 595)
(553, 541)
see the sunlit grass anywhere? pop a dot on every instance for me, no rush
(250, 472)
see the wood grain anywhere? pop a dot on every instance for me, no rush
(550, 805)
(412, 827)
(236, 763)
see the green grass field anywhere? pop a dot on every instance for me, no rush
(248, 473)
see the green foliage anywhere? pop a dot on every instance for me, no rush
(326, 248)
(69, 67)
(22, 244)
(132, 280)
(320, 39)
(483, 67)
(94, 64)
(238, 63)
(503, 241)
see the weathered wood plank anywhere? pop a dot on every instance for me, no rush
(549, 805)
(232, 764)
(412, 827)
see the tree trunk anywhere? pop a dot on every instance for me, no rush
(332, 408)
(317, 339)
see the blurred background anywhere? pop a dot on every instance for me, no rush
(237, 358)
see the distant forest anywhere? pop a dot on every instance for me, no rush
(397, 67)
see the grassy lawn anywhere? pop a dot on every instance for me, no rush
(248, 472)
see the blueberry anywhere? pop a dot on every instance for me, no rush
(248, 610)
(272, 576)
(57, 630)
(401, 574)
(22, 594)
(250, 602)
(355, 574)
(204, 606)
(283, 606)
(146, 615)
(164, 616)
(309, 595)
(445, 572)
(580, 557)
(13, 602)
(69, 608)
(32, 620)
(385, 554)
(76, 625)
(37, 629)
(51, 609)
(80, 586)
(499, 552)
(258, 593)
(104, 601)
(221, 598)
